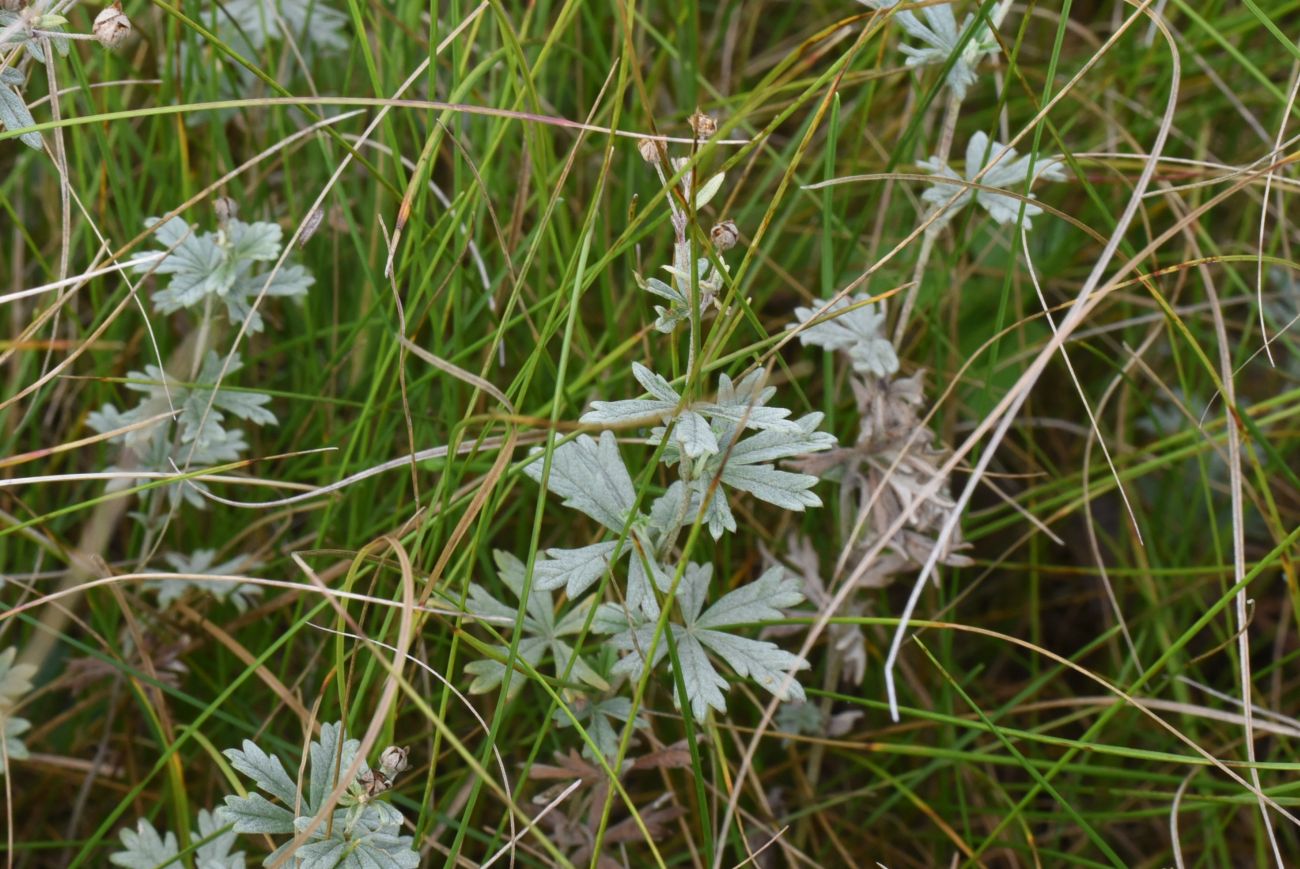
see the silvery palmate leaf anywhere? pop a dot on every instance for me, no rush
(706, 279)
(202, 408)
(576, 569)
(15, 749)
(543, 633)
(738, 403)
(853, 326)
(313, 24)
(200, 405)
(1009, 172)
(241, 594)
(745, 464)
(15, 681)
(590, 476)
(18, 28)
(703, 633)
(602, 719)
(221, 265)
(145, 848)
(936, 28)
(200, 440)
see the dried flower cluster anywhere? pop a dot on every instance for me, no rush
(885, 472)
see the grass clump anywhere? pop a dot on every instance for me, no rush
(816, 434)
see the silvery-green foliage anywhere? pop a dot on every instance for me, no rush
(222, 265)
(190, 402)
(15, 681)
(600, 718)
(544, 634)
(575, 570)
(364, 833)
(707, 436)
(853, 326)
(18, 27)
(312, 24)
(936, 27)
(644, 575)
(800, 718)
(745, 463)
(241, 594)
(160, 454)
(703, 631)
(679, 304)
(706, 279)
(14, 114)
(733, 439)
(195, 441)
(1008, 173)
(941, 36)
(216, 852)
(1169, 412)
(737, 403)
(678, 293)
(15, 748)
(590, 476)
(668, 513)
(252, 28)
(808, 719)
(145, 848)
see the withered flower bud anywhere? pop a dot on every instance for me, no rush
(649, 149)
(373, 782)
(393, 760)
(111, 27)
(226, 209)
(724, 235)
(703, 125)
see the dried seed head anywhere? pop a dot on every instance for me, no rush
(724, 235)
(111, 26)
(226, 209)
(703, 125)
(393, 760)
(373, 782)
(11, 5)
(649, 149)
